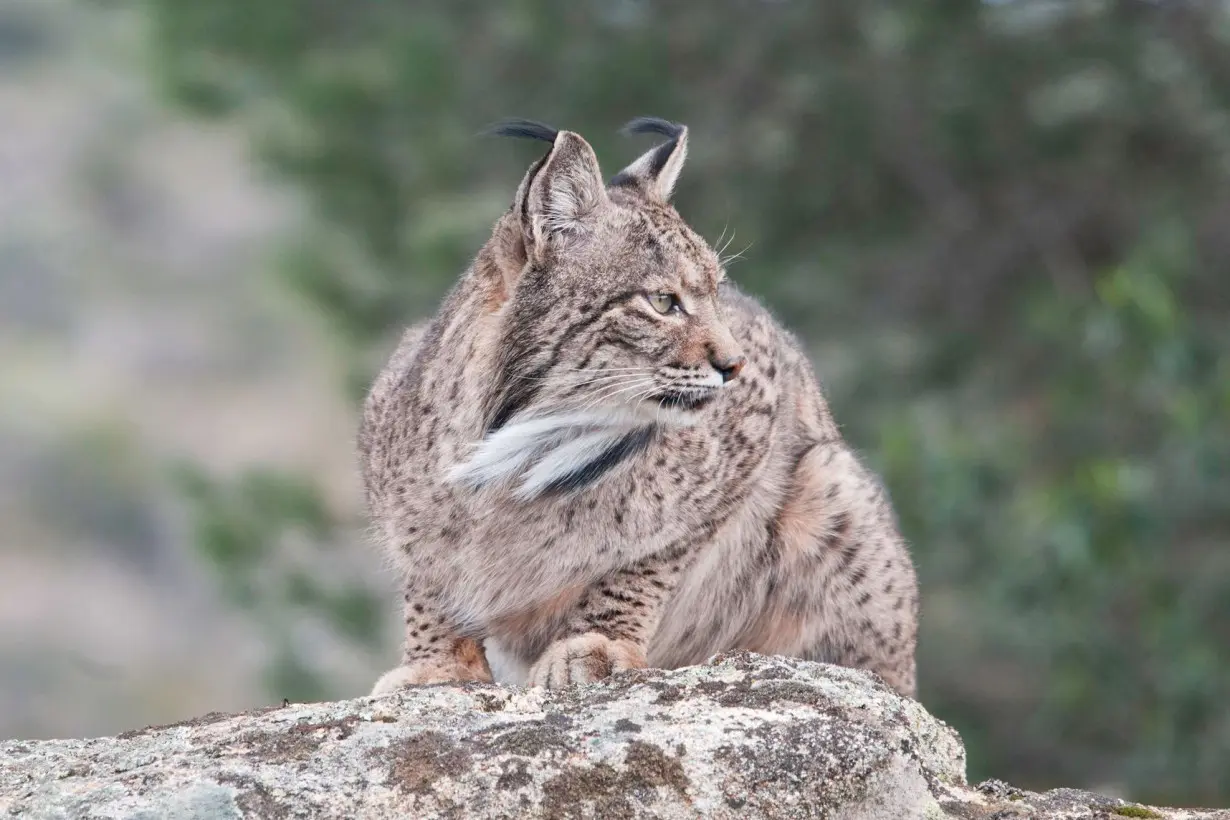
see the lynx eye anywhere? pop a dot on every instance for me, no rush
(664, 302)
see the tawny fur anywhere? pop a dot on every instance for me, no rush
(565, 478)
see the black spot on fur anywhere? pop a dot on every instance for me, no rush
(617, 595)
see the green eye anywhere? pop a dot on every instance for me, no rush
(663, 302)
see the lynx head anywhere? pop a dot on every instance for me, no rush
(609, 312)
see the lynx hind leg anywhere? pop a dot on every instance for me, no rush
(434, 652)
(842, 587)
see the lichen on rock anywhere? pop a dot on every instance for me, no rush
(742, 736)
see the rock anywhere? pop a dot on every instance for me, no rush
(743, 736)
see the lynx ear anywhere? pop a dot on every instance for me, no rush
(561, 189)
(657, 170)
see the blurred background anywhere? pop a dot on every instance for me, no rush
(1003, 229)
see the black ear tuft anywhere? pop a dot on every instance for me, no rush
(647, 172)
(524, 129)
(653, 125)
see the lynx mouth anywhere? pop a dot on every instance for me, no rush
(686, 398)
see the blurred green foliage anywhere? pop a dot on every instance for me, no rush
(241, 527)
(1002, 226)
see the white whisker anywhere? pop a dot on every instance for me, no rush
(619, 378)
(642, 395)
(607, 392)
(725, 261)
(594, 401)
(589, 379)
(723, 236)
(605, 369)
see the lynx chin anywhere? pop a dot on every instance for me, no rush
(600, 455)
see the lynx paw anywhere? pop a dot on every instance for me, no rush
(466, 664)
(584, 659)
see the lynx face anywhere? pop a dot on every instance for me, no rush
(643, 332)
(675, 327)
(612, 325)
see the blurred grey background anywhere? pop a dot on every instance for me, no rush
(1002, 228)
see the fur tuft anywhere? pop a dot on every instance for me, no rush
(653, 125)
(648, 171)
(546, 451)
(524, 129)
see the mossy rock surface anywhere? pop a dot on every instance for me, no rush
(742, 736)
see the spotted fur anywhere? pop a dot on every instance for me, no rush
(572, 481)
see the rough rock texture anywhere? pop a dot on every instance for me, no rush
(743, 736)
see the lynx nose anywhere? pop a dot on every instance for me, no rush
(729, 368)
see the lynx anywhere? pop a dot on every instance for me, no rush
(600, 455)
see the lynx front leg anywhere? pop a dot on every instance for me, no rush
(434, 652)
(610, 629)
